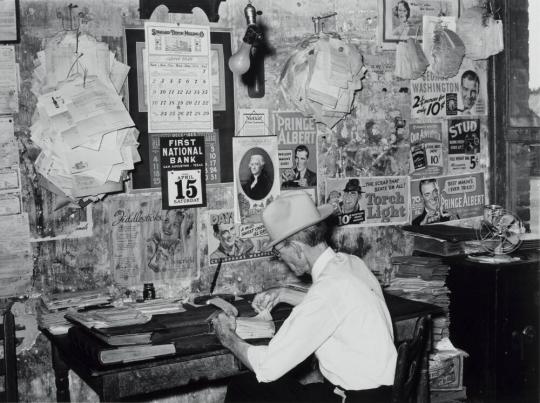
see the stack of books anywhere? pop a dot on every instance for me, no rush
(444, 240)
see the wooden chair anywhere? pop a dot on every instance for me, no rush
(411, 379)
(8, 364)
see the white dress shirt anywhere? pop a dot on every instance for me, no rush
(344, 320)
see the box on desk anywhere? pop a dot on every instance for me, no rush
(446, 370)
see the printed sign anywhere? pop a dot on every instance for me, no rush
(369, 201)
(463, 145)
(426, 149)
(228, 241)
(447, 198)
(183, 179)
(211, 156)
(462, 95)
(297, 150)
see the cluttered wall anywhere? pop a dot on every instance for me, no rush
(379, 131)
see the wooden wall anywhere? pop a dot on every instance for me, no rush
(85, 263)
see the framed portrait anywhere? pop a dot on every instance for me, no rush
(9, 21)
(402, 19)
(145, 176)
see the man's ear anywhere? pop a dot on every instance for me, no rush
(299, 250)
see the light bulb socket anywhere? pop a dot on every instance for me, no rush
(250, 12)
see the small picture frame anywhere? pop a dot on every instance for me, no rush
(402, 19)
(9, 22)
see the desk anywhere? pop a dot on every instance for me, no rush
(126, 380)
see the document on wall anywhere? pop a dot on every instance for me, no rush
(252, 122)
(9, 151)
(8, 20)
(15, 254)
(179, 95)
(9, 92)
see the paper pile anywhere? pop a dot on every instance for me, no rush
(423, 279)
(87, 137)
(322, 76)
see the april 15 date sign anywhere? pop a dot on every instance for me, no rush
(183, 179)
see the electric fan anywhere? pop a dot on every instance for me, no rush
(499, 235)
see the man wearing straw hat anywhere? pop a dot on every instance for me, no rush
(342, 319)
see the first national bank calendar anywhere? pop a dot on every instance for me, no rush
(178, 77)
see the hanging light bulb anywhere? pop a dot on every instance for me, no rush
(239, 62)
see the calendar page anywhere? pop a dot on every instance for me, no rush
(179, 95)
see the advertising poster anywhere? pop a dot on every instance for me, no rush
(150, 244)
(179, 79)
(183, 177)
(447, 198)
(369, 201)
(426, 149)
(256, 176)
(463, 145)
(228, 241)
(297, 150)
(464, 94)
(211, 156)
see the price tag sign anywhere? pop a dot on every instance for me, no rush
(183, 177)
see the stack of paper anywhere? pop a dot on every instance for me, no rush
(256, 327)
(158, 306)
(87, 138)
(423, 279)
(76, 300)
(110, 317)
(322, 76)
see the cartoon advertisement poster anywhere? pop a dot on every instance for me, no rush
(297, 150)
(369, 201)
(464, 94)
(463, 145)
(150, 244)
(256, 176)
(183, 171)
(447, 198)
(229, 242)
(426, 149)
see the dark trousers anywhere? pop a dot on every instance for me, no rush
(246, 389)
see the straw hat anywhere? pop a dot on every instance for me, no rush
(291, 213)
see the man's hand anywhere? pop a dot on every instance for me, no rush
(224, 326)
(266, 300)
(302, 182)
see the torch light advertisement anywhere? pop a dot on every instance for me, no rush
(370, 201)
(462, 95)
(297, 150)
(447, 198)
(228, 241)
(463, 145)
(256, 176)
(426, 149)
(183, 178)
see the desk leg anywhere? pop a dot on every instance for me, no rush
(61, 372)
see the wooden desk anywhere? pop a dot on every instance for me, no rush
(126, 380)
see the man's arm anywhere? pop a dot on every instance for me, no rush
(225, 327)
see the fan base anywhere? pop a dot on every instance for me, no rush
(494, 259)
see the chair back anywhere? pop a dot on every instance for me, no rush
(8, 364)
(412, 360)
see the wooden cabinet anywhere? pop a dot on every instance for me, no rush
(494, 316)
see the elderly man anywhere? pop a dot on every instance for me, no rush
(259, 184)
(342, 319)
